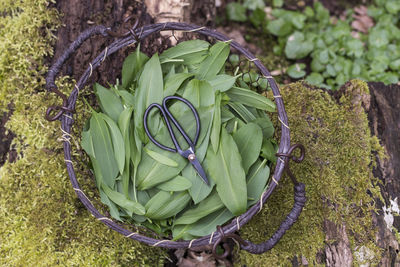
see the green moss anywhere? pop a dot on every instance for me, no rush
(337, 174)
(42, 222)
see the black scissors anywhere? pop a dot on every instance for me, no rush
(166, 114)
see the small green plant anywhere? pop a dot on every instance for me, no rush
(335, 55)
(146, 185)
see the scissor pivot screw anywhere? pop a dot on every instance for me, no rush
(191, 157)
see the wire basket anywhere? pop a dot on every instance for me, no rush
(262, 81)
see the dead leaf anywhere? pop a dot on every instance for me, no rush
(362, 22)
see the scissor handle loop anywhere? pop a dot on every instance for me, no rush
(146, 114)
(191, 143)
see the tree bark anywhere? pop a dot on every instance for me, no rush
(385, 123)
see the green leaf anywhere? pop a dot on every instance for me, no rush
(225, 167)
(213, 64)
(248, 140)
(87, 143)
(254, 4)
(110, 103)
(315, 78)
(199, 189)
(216, 125)
(395, 65)
(179, 183)
(181, 232)
(226, 115)
(199, 93)
(256, 180)
(266, 126)
(242, 111)
(209, 205)
(222, 82)
(250, 98)
(114, 212)
(132, 66)
(296, 70)
(191, 52)
(173, 82)
(161, 158)
(117, 141)
(119, 199)
(164, 205)
(277, 3)
(268, 150)
(103, 149)
(279, 27)
(150, 90)
(257, 18)
(127, 98)
(208, 224)
(378, 38)
(297, 47)
(236, 12)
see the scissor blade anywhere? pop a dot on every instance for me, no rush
(197, 166)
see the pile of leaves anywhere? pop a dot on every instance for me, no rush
(145, 185)
(363, 43)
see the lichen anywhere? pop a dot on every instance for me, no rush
(337, 172)
(42, 222)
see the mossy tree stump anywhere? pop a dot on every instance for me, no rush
(43, 223)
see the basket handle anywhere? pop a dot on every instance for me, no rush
(291, 218)
(56, 67)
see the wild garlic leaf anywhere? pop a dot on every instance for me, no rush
(250, 98)
(213, 64)
(266, 126)
(208, 224)
(114, 212)
(164, 204)
(199, 189)
(248, 140)
(123, 124)
(225, 168)
(151, 172)
(222, 82)
(192, 52)
(87, 142)
(127, 98)
(216, 124)
(268, 150)
(181, 232)
(110, 103)
(150, 90)
(226, 115)
(161, 158)
(242, 111)
(173, 82)
(117, 141)
(257, 178)
(103, 149)
(128, 205)
(179, 183)
(132, 66)
(209, 205)
(199, 93)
